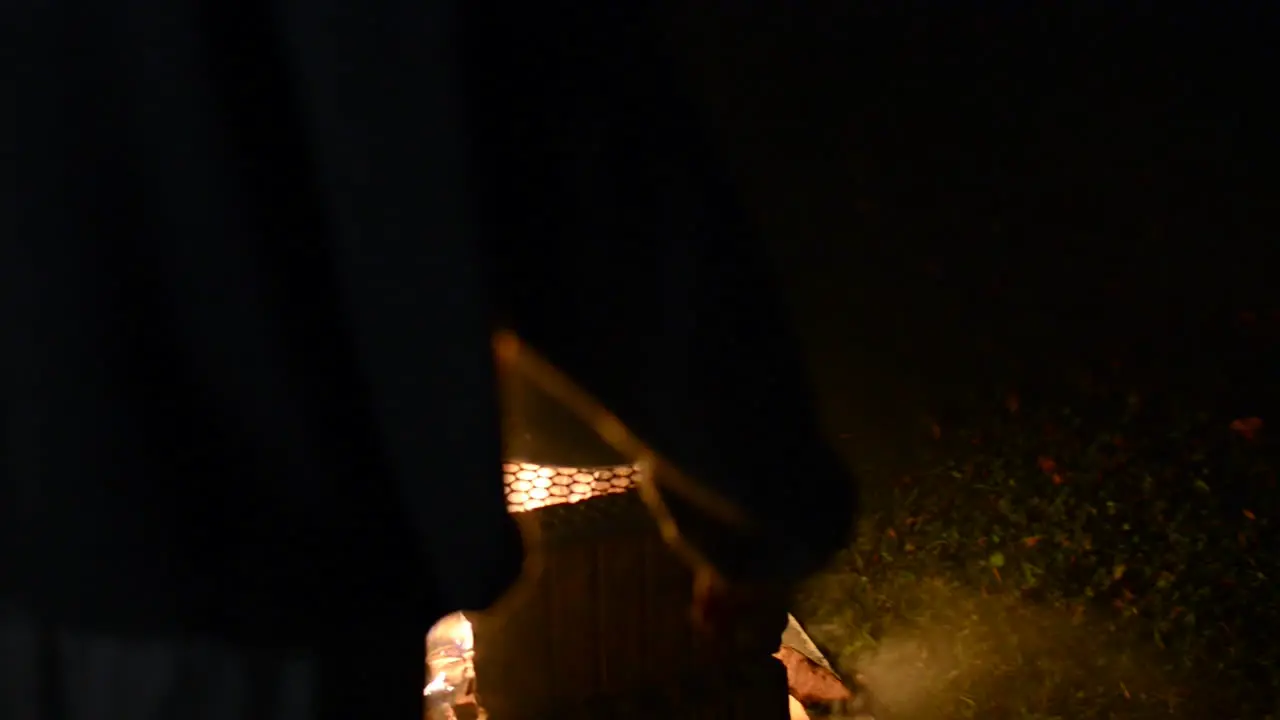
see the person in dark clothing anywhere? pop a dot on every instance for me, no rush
(252, 261)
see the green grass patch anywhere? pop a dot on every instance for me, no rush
(1112, 558)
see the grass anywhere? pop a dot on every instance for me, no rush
(1104, 550)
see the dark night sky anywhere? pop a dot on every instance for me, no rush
(966, 194)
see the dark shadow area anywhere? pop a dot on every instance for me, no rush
(964, 197)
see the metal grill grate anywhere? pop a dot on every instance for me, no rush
(530, 486)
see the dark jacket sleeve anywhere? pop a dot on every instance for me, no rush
(627, 261)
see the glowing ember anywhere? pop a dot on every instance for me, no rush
(450, 656)
(439, 684)
(529, 486)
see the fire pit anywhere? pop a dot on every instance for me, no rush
(600, 627)
(450, 690)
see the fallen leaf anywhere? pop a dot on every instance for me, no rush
(1047, 465)
(1249, 514)
(1030, 541)
(1057, 479)
(810, 682)
(1247, 428)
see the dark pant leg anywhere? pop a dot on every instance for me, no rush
(22, 667)
(375, 675)
(52, 673)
